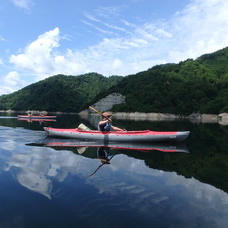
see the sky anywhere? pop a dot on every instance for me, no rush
(42, 38)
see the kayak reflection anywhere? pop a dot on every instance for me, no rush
(83, 145)
(41, 121)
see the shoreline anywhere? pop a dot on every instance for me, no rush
(221, 118)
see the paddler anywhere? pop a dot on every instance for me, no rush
(105, 123)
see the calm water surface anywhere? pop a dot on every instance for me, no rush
(54, 183)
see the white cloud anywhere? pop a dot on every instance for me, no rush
(115, 27)
(107, 12)
(1, 38)
(24, 4)
(11, 82)
(103, 31)
(164, 33)
(96, 20)
(91, 17)
(38, 57)
(202, 27)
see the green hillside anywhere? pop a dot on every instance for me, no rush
(58, 93)
(199, 85)
(190, 86)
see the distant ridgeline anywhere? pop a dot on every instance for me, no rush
(191, 86)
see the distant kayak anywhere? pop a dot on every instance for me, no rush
(119, 136)
(36, 117)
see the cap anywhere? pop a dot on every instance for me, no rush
(106, 114)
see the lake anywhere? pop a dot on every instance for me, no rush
(47, 182)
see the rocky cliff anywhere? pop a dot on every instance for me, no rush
(108, 102)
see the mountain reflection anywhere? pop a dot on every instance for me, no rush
(88, 179)
(160, 156)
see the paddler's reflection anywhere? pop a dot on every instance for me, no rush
(103, 153)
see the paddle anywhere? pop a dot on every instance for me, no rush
(100, 113)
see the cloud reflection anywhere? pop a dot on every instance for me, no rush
(126, 179)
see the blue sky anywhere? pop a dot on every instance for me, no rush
(41, 38)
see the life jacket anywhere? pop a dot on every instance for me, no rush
(104, 127)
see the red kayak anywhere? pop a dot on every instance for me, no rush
(119, 136)
(37, 120)
(36, 117)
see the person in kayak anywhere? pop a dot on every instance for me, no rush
(105, 123)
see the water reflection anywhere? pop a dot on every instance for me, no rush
(30, 120)
(156, 187)
(144, 147)
(103, 153)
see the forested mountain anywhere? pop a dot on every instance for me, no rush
(58, 93)
(199, 85)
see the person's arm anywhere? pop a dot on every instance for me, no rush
(103, 122)
(117, 129)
